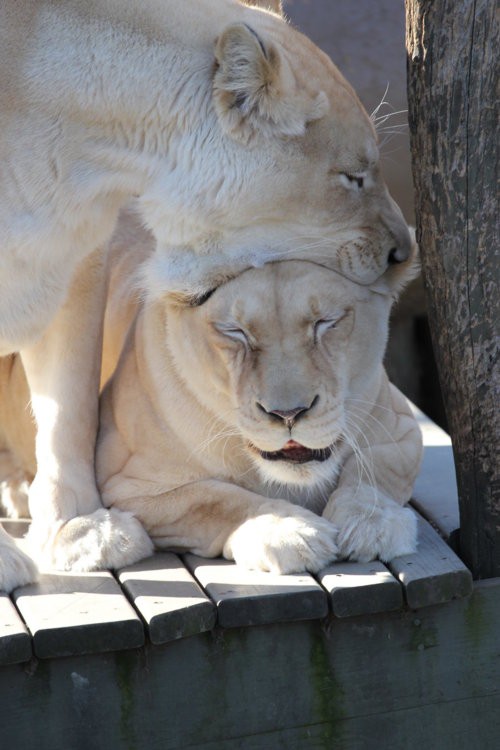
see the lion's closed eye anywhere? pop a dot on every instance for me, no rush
(328, 323)
(233, 332)
(323, 325)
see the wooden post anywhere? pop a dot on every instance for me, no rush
(453, 77)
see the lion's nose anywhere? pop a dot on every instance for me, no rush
(288, 416)
(401, 248)
(397, 255)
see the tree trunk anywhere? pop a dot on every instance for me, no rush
(453, 76)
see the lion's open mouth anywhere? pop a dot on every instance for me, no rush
(296, 453)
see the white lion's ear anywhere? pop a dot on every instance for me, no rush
(255, 89)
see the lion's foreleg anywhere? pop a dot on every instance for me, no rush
(376, 481)
(212, 518)
(63, 370)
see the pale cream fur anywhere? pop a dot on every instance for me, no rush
(181, 411)
(180, 414)
(239, 138)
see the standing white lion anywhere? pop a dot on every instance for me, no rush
(241, 142)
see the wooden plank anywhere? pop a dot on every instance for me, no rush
(435, 492)
(361, 588)
(168, 598)
(252, 597)
(70, 614)
(15, 641)
(434, 574)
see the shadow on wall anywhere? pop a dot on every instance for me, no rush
(366, 40)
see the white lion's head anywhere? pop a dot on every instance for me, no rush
(289, 357)
(278, 160)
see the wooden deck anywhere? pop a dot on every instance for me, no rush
(187, 652)
(165, 598)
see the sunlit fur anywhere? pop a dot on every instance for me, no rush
(149, 111)
(234, 134)
(180, 415)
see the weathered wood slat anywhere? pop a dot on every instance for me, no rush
(15, 641)
(70, 614)
(250, 597)
(167, 597)
(434, 574)
(361, 588)
(435, 492)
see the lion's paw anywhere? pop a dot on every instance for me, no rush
(283, 543)
(382, 533)
(107, 538)
(16, 568)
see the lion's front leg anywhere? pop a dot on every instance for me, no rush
(370, 525)
(212, 518)
(70, 529)
(283, 538)
(376, 482)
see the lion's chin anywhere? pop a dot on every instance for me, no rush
(311, 475)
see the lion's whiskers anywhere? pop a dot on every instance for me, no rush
(379, 121)
(225, 431)
(360, 414)
(364, 462)
(311, 242)
(224, 434)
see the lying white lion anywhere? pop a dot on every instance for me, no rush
(241, 141)
(257, 423)
(229, 425)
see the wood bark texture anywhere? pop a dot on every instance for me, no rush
(453, 76)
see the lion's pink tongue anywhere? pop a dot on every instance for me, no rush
(297, 453)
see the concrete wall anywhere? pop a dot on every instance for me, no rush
(428, 678)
